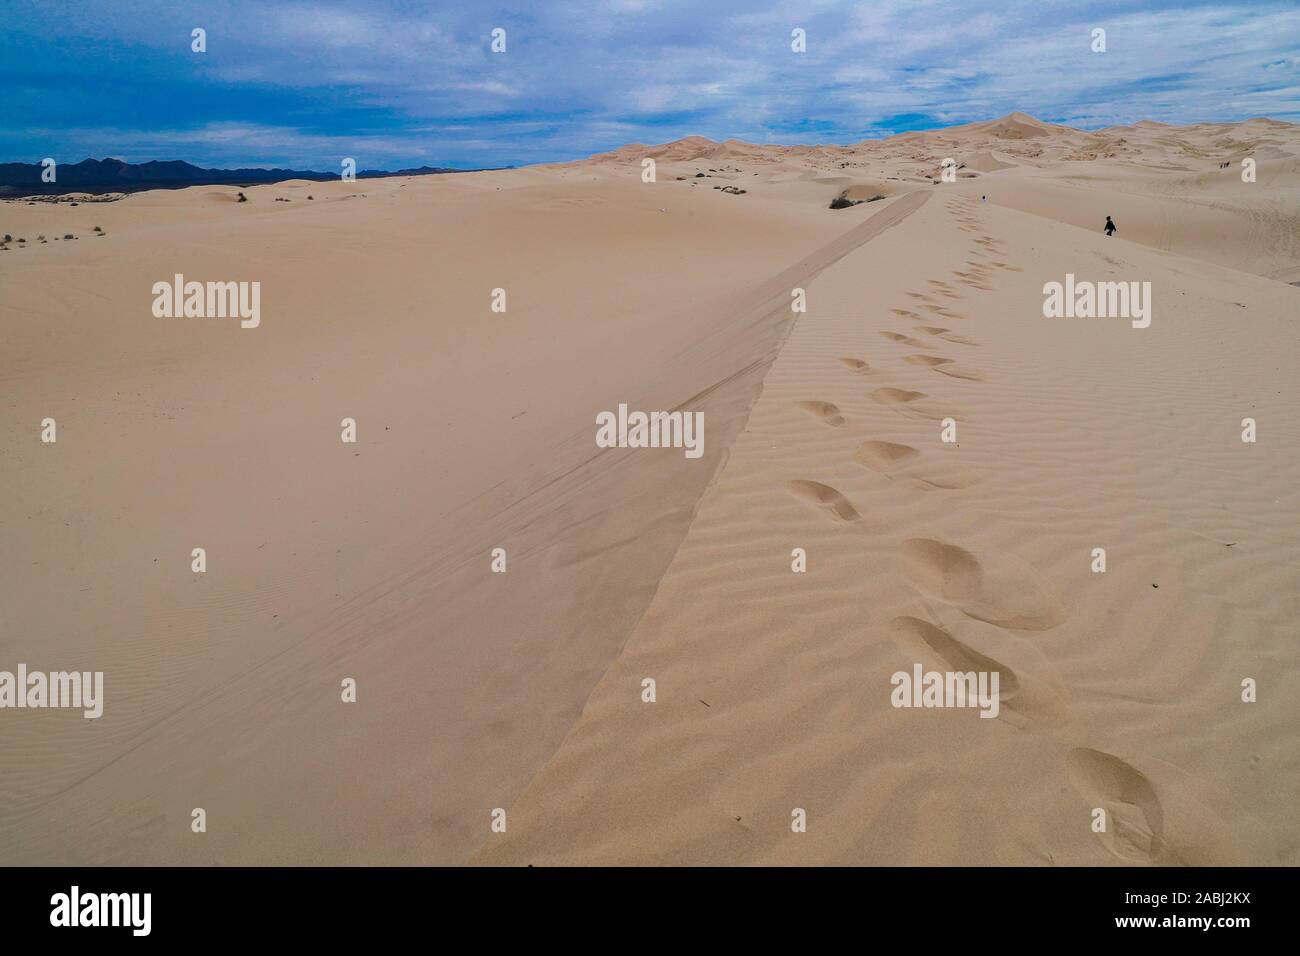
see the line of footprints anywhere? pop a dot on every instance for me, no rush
(1127, 815)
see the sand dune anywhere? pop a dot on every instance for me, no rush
(523, 690)
(1078, 435)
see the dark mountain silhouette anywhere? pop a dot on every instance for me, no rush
(115, 175)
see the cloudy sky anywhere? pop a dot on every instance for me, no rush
(396, 83)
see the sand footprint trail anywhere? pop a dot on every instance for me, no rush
(825, 505)
(777, 494)
(964, 556)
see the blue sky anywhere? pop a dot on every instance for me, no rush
(395, 83)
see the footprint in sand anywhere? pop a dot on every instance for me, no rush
(920, 295)
(856, 364)
(904, 401)
(1165, 815)
(823, 497)
(940, 310)
(1023, 698)
(1134, 816)
(906, 313)
(946, 335)
(945, 290)
(944, 366)
(1010, 594)
(885, 456)
(957, 371)
(904, 340)
(901, 461)
(825, 411)
(930, 361)
(895, 396)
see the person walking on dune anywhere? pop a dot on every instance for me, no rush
(1109, 228)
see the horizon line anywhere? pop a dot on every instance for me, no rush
(466, 168)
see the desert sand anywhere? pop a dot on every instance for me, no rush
(523, 691)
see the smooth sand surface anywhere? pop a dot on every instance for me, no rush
(523, 690)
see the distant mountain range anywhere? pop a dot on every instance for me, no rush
(115, 175)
